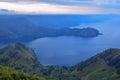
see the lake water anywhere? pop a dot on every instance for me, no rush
(72, 50)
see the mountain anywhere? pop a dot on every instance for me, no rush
(17, 29)
(19, 57)
(20, 29)
(11, 74)
(104, 66)
(23, 58)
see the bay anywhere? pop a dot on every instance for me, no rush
(72, 50)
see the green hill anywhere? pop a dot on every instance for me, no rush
(19, 57)
(104, 66)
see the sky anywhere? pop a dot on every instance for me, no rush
(59, 6)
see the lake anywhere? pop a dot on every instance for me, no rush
(72, 50)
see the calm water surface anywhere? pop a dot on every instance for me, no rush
(72, 50)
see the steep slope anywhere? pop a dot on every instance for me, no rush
(11, 74)
(104, 66)
(20, 57)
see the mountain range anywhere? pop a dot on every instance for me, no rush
(20, 29)
(103, 66)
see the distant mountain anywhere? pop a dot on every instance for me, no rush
(20, 29)
(19, 57)
(17, 29)
(104, 66)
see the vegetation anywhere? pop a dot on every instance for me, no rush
(11, 74)
(104, 66)
(19, 57)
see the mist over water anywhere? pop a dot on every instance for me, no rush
(72, 50)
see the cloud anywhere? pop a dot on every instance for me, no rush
(95, 2)
(61, 6)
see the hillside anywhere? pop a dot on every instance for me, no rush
(19, 57)
(104, 66)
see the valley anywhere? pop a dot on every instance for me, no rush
(102, 66)
(85, 50)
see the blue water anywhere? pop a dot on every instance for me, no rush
(72, 50)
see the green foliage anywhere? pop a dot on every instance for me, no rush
(104, 66)
(19, 57)
(11, 74)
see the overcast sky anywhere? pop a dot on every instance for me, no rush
(60, 6)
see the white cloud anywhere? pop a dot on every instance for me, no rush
(48, 8)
